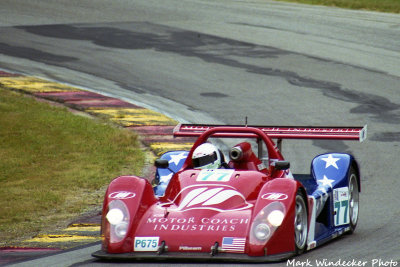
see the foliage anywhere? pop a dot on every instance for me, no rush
(55, 164)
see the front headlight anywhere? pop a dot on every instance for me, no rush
(121, 229)
(118, 218)
(115, 216)
(266, 222)
(275, 218)
(262, 231)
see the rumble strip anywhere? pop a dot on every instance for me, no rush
(155, 130)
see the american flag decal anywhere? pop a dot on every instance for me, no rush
(233, 244)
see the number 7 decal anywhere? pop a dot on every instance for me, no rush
(341, 205)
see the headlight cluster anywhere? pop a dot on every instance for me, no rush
(262, 231)
(266, 222)
(275, 217)
(118, 217)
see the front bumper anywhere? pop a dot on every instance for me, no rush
(189, 256)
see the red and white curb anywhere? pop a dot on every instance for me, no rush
(155, 131)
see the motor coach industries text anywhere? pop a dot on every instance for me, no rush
(191, 224)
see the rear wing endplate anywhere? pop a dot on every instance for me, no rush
(282, 132)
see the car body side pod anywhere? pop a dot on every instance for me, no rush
(335, 167)
(278, 192)
(132, 195)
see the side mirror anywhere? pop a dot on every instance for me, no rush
(161, 163)
(282, 165)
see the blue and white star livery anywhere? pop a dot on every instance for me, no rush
(334, 177)
(163, 176)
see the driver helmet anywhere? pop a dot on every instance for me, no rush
(206, 156)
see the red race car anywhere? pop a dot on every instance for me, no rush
(250, 208)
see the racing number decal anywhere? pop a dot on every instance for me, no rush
(338, 208)
(341, 205)
(146, 243)
(218, 175)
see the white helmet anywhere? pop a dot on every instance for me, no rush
(206, 156)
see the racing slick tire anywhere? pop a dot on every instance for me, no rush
(300, 223)
(354, 199)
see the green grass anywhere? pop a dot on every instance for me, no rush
(54, 164)
(392, 6)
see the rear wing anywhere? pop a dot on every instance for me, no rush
(280, 132)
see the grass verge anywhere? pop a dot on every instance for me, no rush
(54, 164)
(392, 6)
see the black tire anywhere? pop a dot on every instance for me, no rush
(300, 223)
(354, 199)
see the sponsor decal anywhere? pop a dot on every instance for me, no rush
(197, 224)
(311, 130)
(187, 248)
(233, 244)
(209, 197)
(312, 245)
(274, 196)
(122, 195)
(146, 243)
(214, 197)
(261, 166)
(217, 175)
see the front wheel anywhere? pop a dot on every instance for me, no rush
(300, 223)
(354, 200)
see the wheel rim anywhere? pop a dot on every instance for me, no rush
(300, 223)
(354, 199)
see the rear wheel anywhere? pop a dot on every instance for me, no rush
(353, 200)
(300, 223)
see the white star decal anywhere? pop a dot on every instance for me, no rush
(331, 161)
(177, 158)
(326, 181)
(166, 178)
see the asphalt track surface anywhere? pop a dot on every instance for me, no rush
(217, 62)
